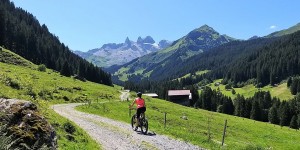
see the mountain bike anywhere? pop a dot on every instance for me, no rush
(143, 124)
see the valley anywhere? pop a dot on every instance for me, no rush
(210, 90)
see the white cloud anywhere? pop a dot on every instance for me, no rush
(272, 27)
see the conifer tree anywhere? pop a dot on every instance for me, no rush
(289, 82)
(273, 115)
(255, 111)
(293, 123)
(284, 118)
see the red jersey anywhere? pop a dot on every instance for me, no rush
(140, 102)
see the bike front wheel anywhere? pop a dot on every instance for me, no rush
(133, 123)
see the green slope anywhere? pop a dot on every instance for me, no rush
(21, 79)
(281, 91)
(9, 57)
(290, 30)
(241, 133)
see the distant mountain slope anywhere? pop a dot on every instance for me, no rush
(266, 60)
(290, 30)
(151, 65)
(118, 54)
(22, 33)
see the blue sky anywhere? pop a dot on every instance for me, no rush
(84, 25)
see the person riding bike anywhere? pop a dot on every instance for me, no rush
(141, 106)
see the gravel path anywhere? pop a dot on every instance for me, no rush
(117, 135)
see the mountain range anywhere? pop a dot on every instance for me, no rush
(118, 54)
(158, 65)
(195, 42)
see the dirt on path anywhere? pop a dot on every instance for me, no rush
(111, 134)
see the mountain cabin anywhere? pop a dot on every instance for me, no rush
(180, 96)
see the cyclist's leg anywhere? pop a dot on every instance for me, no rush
(143, 110)
(138, 113)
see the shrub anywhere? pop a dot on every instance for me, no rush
(69, 128)
(42, 68)
(227, 86)
(66, 98)
(13, 83)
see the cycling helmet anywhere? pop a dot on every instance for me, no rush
(139, 94)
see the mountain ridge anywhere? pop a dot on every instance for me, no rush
(117, 54)
(195, 42)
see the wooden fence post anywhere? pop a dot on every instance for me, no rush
(165, 119)
(224, 132)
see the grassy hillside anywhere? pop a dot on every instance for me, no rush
(9, 57)
(281, 91)
(196, 73)
(241, 133)
(290, 30)
(21, 79)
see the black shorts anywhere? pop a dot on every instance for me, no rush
(139, 111)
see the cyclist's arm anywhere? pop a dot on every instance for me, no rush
(130, 106)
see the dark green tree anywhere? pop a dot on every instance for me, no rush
(285, 114)
(293, 123)
(228, 107)
(255, 111)
(273, 115)
(239, 105)
(289, 81)
(66, 71)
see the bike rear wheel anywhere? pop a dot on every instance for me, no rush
(144, 125)
(133, 123)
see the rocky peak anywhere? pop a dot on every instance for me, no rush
(139, 40)
(128, 42)
(164, 44)
(147, 39)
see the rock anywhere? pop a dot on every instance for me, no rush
(24, 122)
(184, 117)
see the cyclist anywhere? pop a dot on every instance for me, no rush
(141, 106)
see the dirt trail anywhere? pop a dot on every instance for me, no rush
(113, 134)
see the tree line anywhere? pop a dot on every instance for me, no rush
(22, 33)
(294, 84)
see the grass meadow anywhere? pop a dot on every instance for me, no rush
(281, 91)
(203, 128)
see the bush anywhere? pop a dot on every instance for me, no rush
(30, 92)
(12, 83)
(233, 92)
(42, 68)
(69, 128)
(66, 98)
(227, 86)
